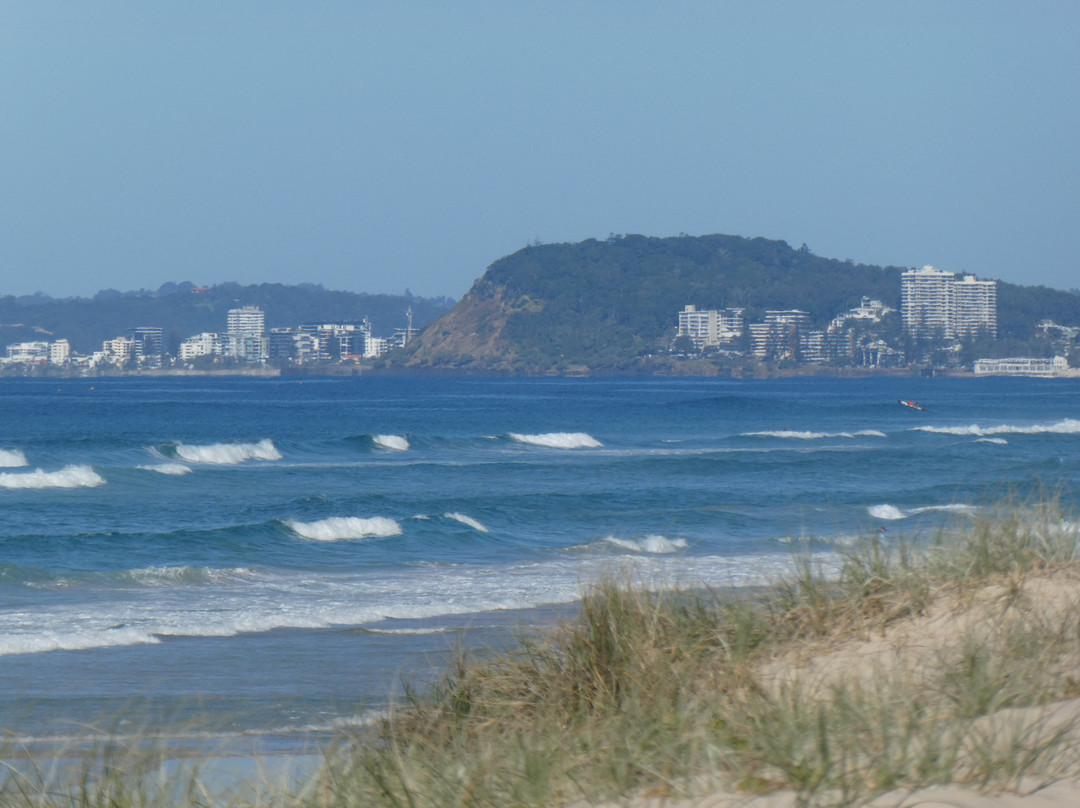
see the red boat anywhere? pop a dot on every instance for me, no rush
(910, 403)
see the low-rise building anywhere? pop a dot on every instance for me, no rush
(709, 327)
(1022, 366)
(783, 336)
(28, 353)
(205, 344)
(118, 351)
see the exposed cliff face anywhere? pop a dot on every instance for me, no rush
(467, 335)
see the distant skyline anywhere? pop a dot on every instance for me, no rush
(378, 147)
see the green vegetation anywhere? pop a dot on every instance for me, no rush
(86, 323)
(613, 305)
(908, 665)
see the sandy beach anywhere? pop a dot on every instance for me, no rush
(909, 648)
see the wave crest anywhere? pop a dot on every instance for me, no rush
(1067, 426)
(337, 528)
(12, 458)
(892, 512)
(650, 544)
(559, 440)
(797, 435)
(396, 443)
(168, 468)
(466, 520)
(67, 477)
(228, 454)
(889, 512)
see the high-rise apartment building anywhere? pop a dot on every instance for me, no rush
(974, 307)
(933, 303)
(246, 329)
(926, 302)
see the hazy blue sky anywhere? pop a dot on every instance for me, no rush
(374, 146)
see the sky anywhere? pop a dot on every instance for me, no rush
(377, 146)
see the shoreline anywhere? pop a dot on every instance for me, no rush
(765, 374)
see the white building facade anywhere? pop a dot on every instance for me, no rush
(935, 304)
(974, 307)
(708, 327)
(1022, 366)
(926, 302)
(246, 329)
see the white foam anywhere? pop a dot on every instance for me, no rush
(836, 540)
(885, 512)
(956, 507)
(891, 512)
(228, 454)
(999, 441)
(168, 468)
(175, 602)
(67, 477)
(397, 443)
(12, 458)
(466, 520)
(40, 642)
(797, 435)
(650, 544)
(337, 528)
(1068, 426)
(559, 440)
(186, 574)
(409, 632)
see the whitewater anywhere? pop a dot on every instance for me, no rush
(293, 552)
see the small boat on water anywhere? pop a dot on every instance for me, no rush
(910, 403)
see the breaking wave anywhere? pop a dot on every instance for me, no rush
(397, 443)
(67, 477)
(796, 435)
(184, 574)
(559, 440)
(885, 512)
(466, 520)
(892, 512)
(1068, 426)
(650, 544)
(338, 528)
(168, 468)
(12, 458)
(228, 454)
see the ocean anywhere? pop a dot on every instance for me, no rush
(257, 564)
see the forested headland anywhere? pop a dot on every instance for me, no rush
(612, 305)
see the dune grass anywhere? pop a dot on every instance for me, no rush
(681, 692)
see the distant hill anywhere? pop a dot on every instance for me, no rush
(183, 311)
(603, 304)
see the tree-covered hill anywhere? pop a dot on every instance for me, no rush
(183, 311)
(603, 304)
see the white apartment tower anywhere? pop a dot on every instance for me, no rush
(246, 329)
(249, 321)
(934, 303)
(974, 306)
(926, 302)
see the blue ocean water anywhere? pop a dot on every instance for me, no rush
(262, 560)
